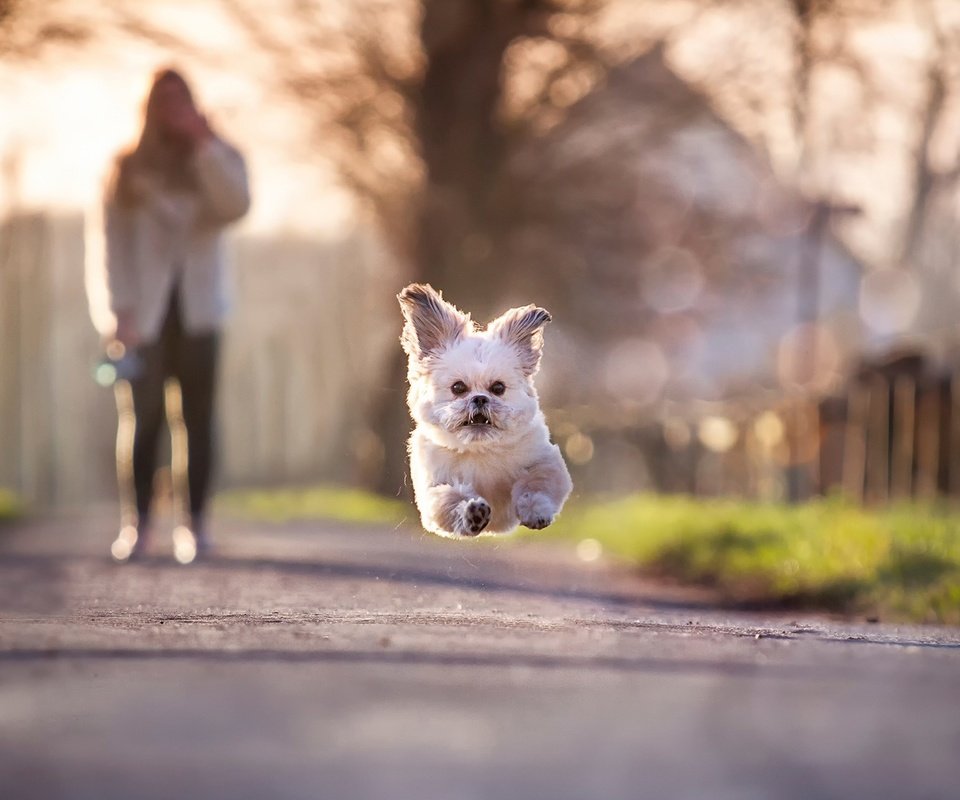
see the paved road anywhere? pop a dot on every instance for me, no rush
(321, 661)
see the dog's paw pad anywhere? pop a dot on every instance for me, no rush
(535, 510)
(476, 515)
(537, 523)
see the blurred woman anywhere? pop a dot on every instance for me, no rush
(167, 204)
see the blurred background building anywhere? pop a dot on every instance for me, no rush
(742, 215)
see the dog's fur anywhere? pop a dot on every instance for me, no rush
(480, 455)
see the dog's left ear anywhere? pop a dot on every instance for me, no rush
(430, 322)
(523, 328)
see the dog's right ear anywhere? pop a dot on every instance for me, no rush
(431, 323)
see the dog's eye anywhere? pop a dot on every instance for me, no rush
(459, 388)
(497, 388)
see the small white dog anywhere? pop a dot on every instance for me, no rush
(480, 455)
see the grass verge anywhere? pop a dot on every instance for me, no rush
(900, 563)
(9, 505)
(322, 502)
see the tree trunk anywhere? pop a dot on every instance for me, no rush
(463, 151)
(462, 144)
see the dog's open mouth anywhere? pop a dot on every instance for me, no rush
(478, 418)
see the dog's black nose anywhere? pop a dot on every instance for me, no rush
(480, 400)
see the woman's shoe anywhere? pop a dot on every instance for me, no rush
(189, 545)
(130, 544)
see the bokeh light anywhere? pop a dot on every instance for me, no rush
(809, 357)
(636, 370)
(718, 434)
(676, 433)
(579, 448)
(889, 300)
(671, 280)
(769, 430)
(105, 374)
(589, 550)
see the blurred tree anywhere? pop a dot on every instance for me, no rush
(410, 98)
(27, 27)
(933, 173)
(435, 113)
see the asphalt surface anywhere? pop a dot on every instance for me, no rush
(314, 660)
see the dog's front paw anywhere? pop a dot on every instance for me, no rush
(476, 515)
(535, 510)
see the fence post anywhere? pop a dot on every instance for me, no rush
(904, 423)
(928, 441)
(855, 441)
(878, 441)
(954, 476)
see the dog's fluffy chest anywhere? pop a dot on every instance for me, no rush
(487, 471)
(491, 475)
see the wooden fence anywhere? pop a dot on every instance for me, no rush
(893, 433)
(890, 433)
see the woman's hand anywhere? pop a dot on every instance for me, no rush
(190, 124)
(127, 333)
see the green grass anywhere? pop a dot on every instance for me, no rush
(902, 563)
(9, 505)
(898, 564)
(322, 502)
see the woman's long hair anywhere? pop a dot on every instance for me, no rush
(156, 159)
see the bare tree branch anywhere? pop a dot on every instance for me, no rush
(27, 29)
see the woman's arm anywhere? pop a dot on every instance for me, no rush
(222, 174)
(121, 277)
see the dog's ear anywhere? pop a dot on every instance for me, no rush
(523, 329)
(431, 323)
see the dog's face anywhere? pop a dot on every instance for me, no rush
(469, 387)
